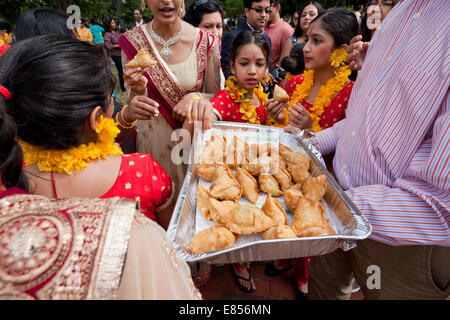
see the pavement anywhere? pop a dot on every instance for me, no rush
(222, 286)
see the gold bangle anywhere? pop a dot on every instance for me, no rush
(120, 124)
(123, 118)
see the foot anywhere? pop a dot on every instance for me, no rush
(277, 267)
(302, 291)
(203, 274)
(243, 278)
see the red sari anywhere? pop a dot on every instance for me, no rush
(229, 109)
(335, 112)
(143, 179)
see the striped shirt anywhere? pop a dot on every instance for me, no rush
(393, 148)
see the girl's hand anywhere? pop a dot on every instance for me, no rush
(299, 117)
(275, 109)
(356, 53)
(140, 108)
(136, 80)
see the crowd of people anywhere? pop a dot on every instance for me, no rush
(372, 85)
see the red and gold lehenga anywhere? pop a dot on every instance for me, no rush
(167, 85)
(85, 249)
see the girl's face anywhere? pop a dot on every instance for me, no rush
(250, 65)
(165, 11)
(318, 48)
(212, 22)
(308, 14)
(295, 18)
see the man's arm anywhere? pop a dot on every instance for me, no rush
(226, 53)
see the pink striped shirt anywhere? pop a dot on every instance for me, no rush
(393, 148)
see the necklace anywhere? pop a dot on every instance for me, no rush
(241, 96)
(77, 158)
(165, 52)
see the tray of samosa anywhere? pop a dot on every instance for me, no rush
(257, 193)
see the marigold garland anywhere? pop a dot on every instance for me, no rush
(75, 158)
(240, 95)
(326, 92)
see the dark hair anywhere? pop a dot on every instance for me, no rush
(5, 25)
(246, 37)
(39, 21)
(55, 82)
(298, 32)
(140, 10)
(107, 24)
(295, 62)
(248, 3)
(195, 11)
(340, 23)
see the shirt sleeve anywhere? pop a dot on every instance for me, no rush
(225, 54)
(161, 184)
(327, 139)
(416, 208)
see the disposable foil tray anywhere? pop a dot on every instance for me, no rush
(344, 217)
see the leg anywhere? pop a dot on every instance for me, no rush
(301, 275)
(243, 277)
(118, 62)
(330, 276)
(404, 272)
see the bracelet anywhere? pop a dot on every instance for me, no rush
(123, 118)
(128, 125)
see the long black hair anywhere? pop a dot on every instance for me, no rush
(197, 9)
(295, 61)
(40, 21)
(245, 37)
(55, 81)
(298, 32)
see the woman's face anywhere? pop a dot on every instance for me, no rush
(249, 66)
(113, 25)
(165, 11)
(308, 14)
(377, 11)
(212, 22)
(295, 18)
(318, 48)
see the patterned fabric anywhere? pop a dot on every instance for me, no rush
(335, 111)
(62, 249)
(229, 109)
(392, 150)
(3, 48)
(142, 179)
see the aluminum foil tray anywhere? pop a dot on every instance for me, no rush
(343, 215)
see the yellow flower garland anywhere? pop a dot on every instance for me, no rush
(326, 93)
(240, 95)
(75, 158)
(6, 37)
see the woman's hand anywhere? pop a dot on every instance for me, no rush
(183, 110)
(275, 109)
(299, 117)
(136, 80)
(356, 53)
(202, 112)
(140, 108)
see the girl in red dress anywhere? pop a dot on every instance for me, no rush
(242, 100)
(319, 97)
(64, 127)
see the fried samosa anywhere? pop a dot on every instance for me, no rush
(315, 188)
(278, 232)
(224, 185)
(203, 201)
(212, 239)
(269, 184)
(291, 197)
(246, 219)
(280, 95)
(141, 60)
(273, 208)
(220, 210)
(309, 219)
(249, 185)
(283, 178)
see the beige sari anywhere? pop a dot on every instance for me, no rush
(168, 84)
(76, 249)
